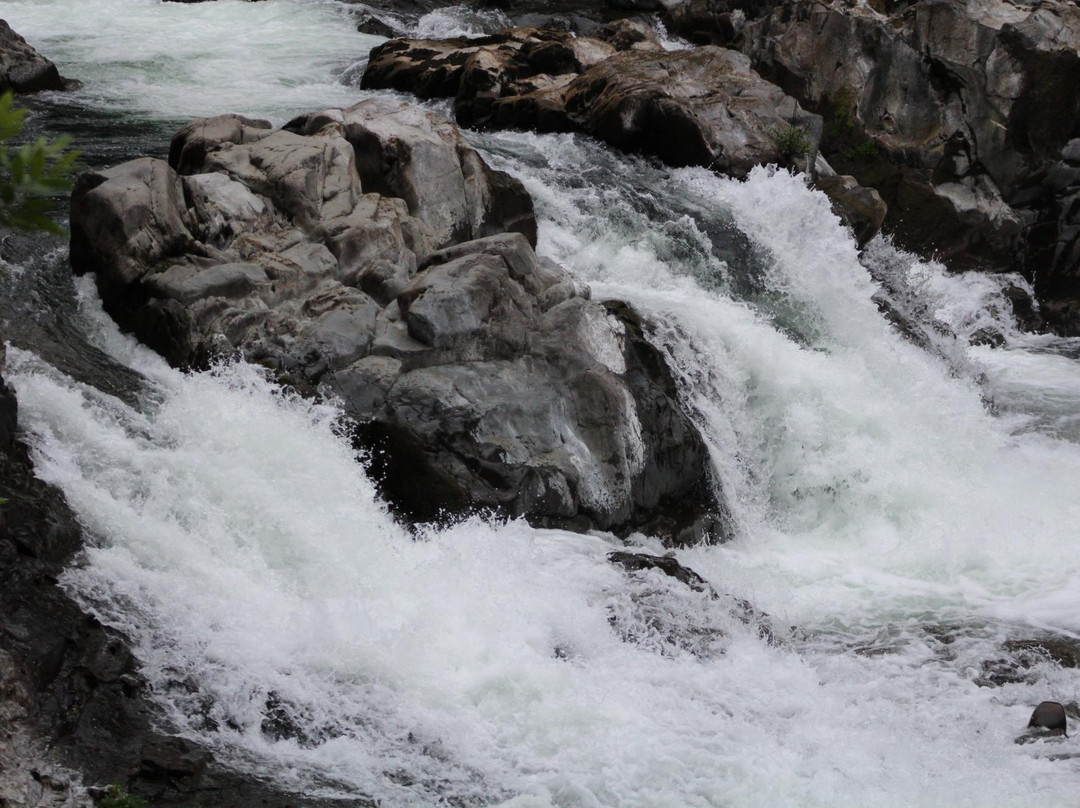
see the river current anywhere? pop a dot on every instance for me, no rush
(900, 513)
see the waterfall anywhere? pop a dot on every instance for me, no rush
(895, 526)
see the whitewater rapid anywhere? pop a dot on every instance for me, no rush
(895, 529)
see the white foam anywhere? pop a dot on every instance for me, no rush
(275, 58)
(880, 507)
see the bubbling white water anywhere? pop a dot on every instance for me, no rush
(242, 548)
(846, 445)
(284, 619)
(272, 59)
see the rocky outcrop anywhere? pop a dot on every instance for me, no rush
(23, 69)
(371, 254)
(960, 114)
(478, 72)
(705, 106)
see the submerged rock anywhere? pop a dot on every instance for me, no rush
(742, 610)
(371, 254)
(23, 69)
(668, 565)
(1049, 715)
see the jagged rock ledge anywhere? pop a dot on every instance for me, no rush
(704, 106)
(370, 253)
(963, 115)
(952, 124)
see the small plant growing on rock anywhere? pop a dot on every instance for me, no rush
(841, 112)
(792, 142)
(116, 796)
(30, 174)
(865, 151)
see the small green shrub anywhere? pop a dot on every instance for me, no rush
(866, 151)
(31, 173)
(117, 797)
(842, 112)
(792, 141)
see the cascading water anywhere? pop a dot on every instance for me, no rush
(285, 620)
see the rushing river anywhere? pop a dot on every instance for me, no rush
(900, 513)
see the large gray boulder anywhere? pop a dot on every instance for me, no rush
(407, 154)
(371, 255)
(22, 68)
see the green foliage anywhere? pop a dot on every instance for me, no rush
(791, 141)
(31, 173)
(117, 797)
(866, 151)
(841, 112)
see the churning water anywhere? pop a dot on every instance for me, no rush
(896, 530)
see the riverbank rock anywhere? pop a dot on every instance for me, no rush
(704, 106)
(371, 254)
(959, 114)
(23, 69)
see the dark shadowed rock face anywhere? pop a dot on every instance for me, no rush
(960, 114)
(23, 69)
(371, 253)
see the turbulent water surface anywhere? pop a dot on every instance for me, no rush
(900, 512)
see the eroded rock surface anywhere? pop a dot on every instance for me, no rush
(370, 253)
(705, 106)
(960, 114)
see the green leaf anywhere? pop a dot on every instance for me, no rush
(32, 174)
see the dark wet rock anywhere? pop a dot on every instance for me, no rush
(704, 106)
(479, 72)
(1061, 650)
(23, 69)
(861, 208)
(713, 22)
(371, 252)
(377, 27)
(1022, 660)
(1048, 723)
(668, 565)
(1049, 715)
(987, 336)
(911, 325)
(1025, 309)
(960, 115)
